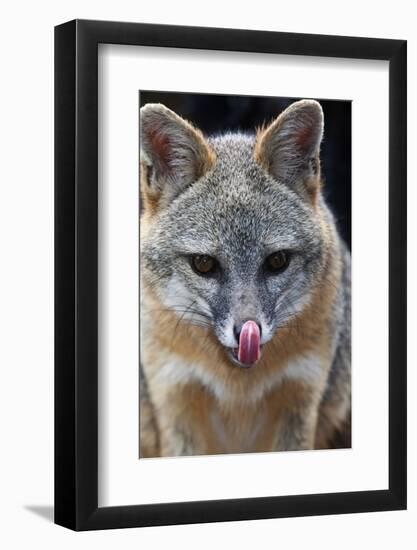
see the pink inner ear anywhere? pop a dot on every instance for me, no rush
(161, 146)
(304, 137)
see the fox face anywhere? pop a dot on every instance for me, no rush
(235, 240)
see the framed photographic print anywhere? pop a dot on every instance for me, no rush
(230, 275)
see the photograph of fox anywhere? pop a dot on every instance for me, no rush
(244, 274)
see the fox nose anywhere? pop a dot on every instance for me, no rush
(237, 328)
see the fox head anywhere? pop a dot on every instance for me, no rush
(235, 233)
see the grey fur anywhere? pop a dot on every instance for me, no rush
(238, 214)
(335, 410)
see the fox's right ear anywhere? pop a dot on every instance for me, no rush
(174, 154)
(289, 148)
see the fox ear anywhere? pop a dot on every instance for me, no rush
(174, 154)
(289, 147)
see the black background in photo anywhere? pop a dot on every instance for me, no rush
(215, 114)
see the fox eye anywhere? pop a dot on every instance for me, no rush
(277, 262)
(203, 264)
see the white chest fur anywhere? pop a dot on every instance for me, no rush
(175, 370)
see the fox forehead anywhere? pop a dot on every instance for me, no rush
(236, 212)
(237, 201)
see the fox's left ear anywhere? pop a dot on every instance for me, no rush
(289, 147)
(174, 154)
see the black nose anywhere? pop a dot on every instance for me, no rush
(237, 329)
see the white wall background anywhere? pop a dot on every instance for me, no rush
(26, 285)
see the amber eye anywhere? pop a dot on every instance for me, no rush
(277, 262)
(203, 264)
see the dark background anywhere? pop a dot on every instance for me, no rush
(215, 114)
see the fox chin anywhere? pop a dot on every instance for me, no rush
(245, 290)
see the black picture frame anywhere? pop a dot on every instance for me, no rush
(76, 271)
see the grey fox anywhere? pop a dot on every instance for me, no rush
(245, 290)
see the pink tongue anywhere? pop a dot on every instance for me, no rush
(249, 343)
